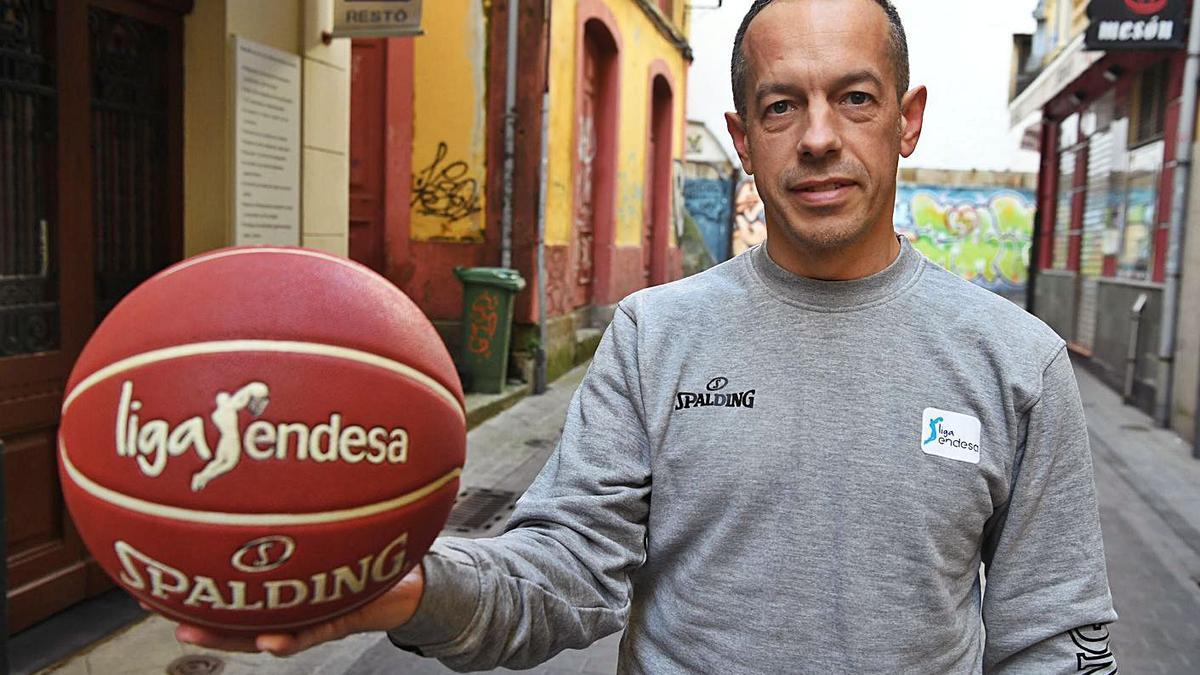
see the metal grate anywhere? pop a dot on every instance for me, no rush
(196, 664)
(29, 311)
(129, 150)
(478, 509)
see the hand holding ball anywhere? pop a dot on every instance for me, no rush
(261, 439)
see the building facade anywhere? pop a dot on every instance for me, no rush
(125, 147)
(1106, 122)
(581, 207)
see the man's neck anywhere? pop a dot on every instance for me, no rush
(870, 255)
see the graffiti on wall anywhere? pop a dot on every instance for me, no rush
(707, 202)
(749, 221)
(483, 323)
(983, 235)
(444, 189)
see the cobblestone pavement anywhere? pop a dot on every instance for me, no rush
(1148, 484)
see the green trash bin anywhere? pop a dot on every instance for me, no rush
(488, 294)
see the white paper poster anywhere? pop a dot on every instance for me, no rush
(266, 145)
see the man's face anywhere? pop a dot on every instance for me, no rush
(823, 129)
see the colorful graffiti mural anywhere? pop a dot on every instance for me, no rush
(981, 234)
(707, 201)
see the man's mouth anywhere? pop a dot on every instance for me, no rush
(823, 192)
(822, 186)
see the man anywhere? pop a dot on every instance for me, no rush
(825, 508)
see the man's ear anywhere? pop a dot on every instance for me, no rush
(737, 131)
(912, 117)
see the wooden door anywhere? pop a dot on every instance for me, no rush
(586, 151)
(368, 85)
(659, 185)
(90, 205)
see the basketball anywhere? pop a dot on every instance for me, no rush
(258, 439)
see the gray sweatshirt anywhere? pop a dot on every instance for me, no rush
(763, 473)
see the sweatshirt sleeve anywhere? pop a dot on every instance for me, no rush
(1046, 603)
(558, 577)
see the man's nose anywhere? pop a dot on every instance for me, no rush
(821, 135)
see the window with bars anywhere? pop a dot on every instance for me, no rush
(1136, 257)
(29, 308)
(1149, 104)
(1062, 215)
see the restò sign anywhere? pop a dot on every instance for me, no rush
(1136, 24)
(376, 18)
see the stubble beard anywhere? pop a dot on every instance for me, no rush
(824, 233)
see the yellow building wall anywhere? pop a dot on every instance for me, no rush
(207, 159)
(286, 25)
(641, 45)
(449, 162)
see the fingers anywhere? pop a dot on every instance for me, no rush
(280, 644)
(204, 638)
(393, 608)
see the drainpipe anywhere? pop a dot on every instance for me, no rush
(1179, 196)
(510, 119)
(539, 356)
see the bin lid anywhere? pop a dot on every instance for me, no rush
(499, 277)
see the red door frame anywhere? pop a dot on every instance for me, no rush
(388, 156)
(595, 17)
(660, 113)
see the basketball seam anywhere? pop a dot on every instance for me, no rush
(271, 346)
(257, 627)
(138, 505)
(265, 249)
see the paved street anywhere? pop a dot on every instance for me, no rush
(1149, 489)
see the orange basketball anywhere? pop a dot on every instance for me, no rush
(259, 439)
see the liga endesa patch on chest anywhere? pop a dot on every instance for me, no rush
(949, 434)
(260, 439)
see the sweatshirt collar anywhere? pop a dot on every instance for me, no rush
(838, 295)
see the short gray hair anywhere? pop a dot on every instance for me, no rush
(898, 48)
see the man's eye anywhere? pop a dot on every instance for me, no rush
(858, 98)
(779, 107)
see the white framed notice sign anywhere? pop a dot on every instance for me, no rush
(266, 145)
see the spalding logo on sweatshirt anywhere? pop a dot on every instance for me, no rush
(715, 397)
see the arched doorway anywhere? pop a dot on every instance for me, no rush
(657, 195)
(595, 153)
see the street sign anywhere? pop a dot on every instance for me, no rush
(1136, 24)
(376, 18)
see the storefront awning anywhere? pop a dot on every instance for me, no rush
(1072, 62)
